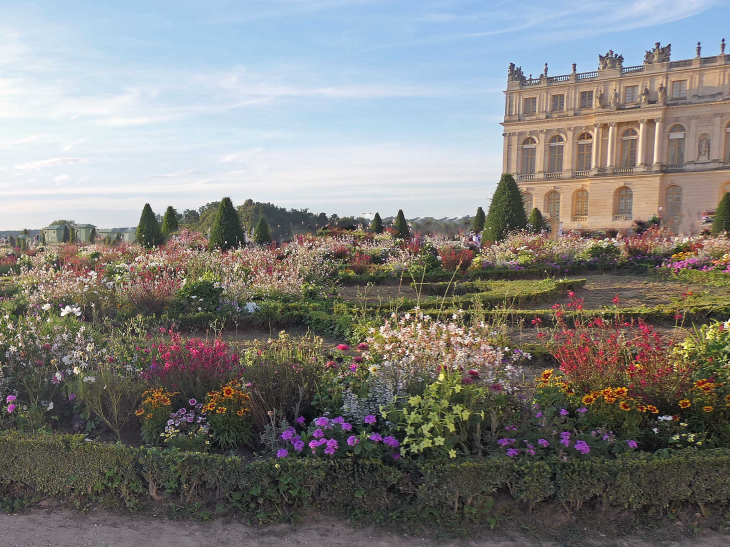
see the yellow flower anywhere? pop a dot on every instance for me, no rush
(452, 453)
(625, 406)
(438, 441)
(652, 409)
(620, 392)
(139, 412)
(221, 410)
(589, 399)
(708, 408)
(413, 401)
(685, 403)
(410, 430)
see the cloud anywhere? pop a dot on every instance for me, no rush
(51, 162)
(70, 146)
(60, 179)
(176, 175)
(23, 140)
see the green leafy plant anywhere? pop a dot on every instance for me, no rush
(262, 233)
(377, 224)
(506, 211)
(401, 226)
(148, 230)
(226, 232)
(169, 221)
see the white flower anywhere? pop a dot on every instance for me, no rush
(251, 307)
(71, 310)
(89, 379)
(50, 406)
(46, 307)
(77, 370)
(665, 418)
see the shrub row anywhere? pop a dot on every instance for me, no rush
(69, 470)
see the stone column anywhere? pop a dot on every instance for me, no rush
(611, 147)
(718, 143)
(658, 143)
(515, 153)
(568, 153)
(596, 148)
(505, 154)
(641, 148)
(540, 155)
(690, 142)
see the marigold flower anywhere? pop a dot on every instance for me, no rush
(588, 399)
(547, 374)
(620, 392)
(685, 403)
(708, 408)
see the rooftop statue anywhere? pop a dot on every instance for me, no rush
(659, 54)
(514, 74)
(610, 60)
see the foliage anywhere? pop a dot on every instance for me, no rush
(148, 230)
(506, 211)
(535, 222)
(721, 222)
(226, 232)
(479, 221)
(188, 428)
(169, 221)
(262, 234)
(228, 410)
(377, 224)
(401, 226)
(154, 413)
(709, 349)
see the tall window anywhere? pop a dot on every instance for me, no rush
(727, 144)
(555, 157)
(558, 103)
(676, 146)
(679, 89)
(580, 208)
(674, 206)
(528, 156)
(624, 202)
(530, 105)
(553, 204)
(631, 94)
(585, 147)
(527, 200)
(586, 99)
(628, 148)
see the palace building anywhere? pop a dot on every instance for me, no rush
(600, 149)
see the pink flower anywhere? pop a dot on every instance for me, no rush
(343, 347)
(363, 346)
(11, 408)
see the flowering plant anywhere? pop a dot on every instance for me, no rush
(709, 348)
(228, 410)
(154, 412)
(188, 428)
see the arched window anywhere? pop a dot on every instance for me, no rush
(676, 146)
(555, 157)
(674, 206)
(528, 156)
(727, 143)
(552, 201)
(585, 147)
(629, 140)
(580, 203)
(725, 190)
(623, 204)
(527, 200)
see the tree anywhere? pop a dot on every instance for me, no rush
(261, 233)
(226, 232)
(535, 222)
(479, 219)
(92, 235)
(66, 234)
(322, 220)
(377, 224)
(148, 230)
(401, 225)
(169, 221)
(506, 212)
(721, 222)
(11, 241)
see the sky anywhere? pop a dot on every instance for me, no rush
(341, 106)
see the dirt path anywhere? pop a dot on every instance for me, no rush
(65, 529)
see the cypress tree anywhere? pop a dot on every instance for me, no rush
(479, 220)
(148, 230)
(536, 221)
(66, 234)
(401, 226)
(506, 212)
(169, 221)
(261, 233)
(11, 241)
(377, 225)
(721, 222)
(226, 232)
(92, 235)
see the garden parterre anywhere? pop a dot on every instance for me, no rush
(88, 344)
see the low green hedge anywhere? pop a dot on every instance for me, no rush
(70, 470)
(695, 276)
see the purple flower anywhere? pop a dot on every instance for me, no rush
(353, 367)
(376, 437)
(582, 447)
(192, 402)
(298, 445)
(352, 440)
(282, 453)
(505, 442)
(391, 441)
(339, 420)
(10, 398)
(346, 427)
(564, 412)
(71, 396)
(317, 433)
(582, 410)
(396, 456)
(370, 419)
(301, 420)
(632, 444)
(321, 422)
(512, 452)
(288, 434)
(11, 408)
(543, 443)
(538, 415)
(190, 418)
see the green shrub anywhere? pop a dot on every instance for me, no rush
(226, 232)
(479, 219)
(721, 222)
(506, 212)
(401, 226)
(377, 224)
(169, 221)
(148, 231)
(262, 233)
(536, 223)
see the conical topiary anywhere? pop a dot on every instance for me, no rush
(148, 230)
(535, 221)
(506, 212)
(169, 221)
(92, 235)
(66, 234)
(478, 224)
(721, 222)
(226, 232)
(261, 233)
(401, 225)
(377, 224)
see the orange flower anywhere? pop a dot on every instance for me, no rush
(685, 403)
(708, 409)
(625, 406)
(609, 400)
(727, 398)
(620, 392)
(589, 399)
(546, 375)
(210, 406)
(228, 392)
(139, 412)
(652, 409)
(608, 392)
(641, 408)
(241, 412)
(221, 410)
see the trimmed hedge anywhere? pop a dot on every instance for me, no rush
(68, 469)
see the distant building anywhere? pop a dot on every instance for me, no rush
(54, 233)
(599, 149)
(83, 232)
(128, 235)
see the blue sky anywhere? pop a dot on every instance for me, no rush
(343, 106)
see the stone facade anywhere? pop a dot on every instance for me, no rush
(601, 149)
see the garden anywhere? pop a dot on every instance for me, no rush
(374, 373)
